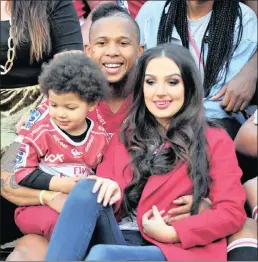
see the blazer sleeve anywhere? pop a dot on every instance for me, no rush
(227, 215)
(114, 166)
(65, 28)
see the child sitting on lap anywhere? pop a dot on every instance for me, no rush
(62, 145)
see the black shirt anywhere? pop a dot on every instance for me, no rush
(65, 34)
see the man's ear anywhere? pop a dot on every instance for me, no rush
(140, 50)
(87, 50)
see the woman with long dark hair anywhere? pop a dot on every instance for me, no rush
(221, 36)
(165, 150)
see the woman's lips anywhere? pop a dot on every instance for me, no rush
(162, 104)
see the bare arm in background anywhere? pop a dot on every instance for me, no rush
(239, 91)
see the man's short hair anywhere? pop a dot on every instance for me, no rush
(113, 10)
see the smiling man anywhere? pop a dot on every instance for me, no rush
(115, 46)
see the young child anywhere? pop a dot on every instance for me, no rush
(62, 145)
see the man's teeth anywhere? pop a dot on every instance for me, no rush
(112, 65)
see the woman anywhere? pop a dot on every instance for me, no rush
(226, 55)
(32, 32)
(165, 151)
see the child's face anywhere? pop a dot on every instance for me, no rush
(69, 111)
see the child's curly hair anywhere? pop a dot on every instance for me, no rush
(74, 72)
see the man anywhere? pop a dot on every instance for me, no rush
(115, 51)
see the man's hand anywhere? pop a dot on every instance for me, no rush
(238, 92)
(184, 209)
(156, 228)
(109, 190)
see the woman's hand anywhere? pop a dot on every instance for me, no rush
(109, 190)
(184, 209)
(156, 228)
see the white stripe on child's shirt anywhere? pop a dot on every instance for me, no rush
(242, 242)
(255, 213)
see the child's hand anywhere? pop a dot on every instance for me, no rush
(109, 190)
(156, 227)
(57, 202)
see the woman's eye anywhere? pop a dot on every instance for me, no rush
(173, 82)
(53, 105)
(149, 82)
(71, 108)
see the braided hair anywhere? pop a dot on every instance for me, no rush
(221, 29)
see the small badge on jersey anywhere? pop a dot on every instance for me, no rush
(21, 157)
(34, 117)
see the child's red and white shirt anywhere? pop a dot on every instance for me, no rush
(45, 146)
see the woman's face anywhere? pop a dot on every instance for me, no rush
(163, 89)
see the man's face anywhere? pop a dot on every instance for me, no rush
(114, 46)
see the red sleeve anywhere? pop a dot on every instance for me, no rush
(227, 215)
(106, 168)
(113, 166)
(27, 159)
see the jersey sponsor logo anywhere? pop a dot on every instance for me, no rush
(21, 157)
(89, 143)
(82, 171)
(58, 140)
(35, 131)
(34, 117)
(100, 118)
(76, 153)
(54, 158)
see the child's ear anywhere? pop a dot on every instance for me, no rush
(92, 106)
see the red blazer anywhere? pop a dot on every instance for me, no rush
(202, 236)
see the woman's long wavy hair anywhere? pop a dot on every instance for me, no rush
(142, 134)
(32, 15)
(219, 34)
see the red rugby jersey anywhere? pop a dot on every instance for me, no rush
(45, 146)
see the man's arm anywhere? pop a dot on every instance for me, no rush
(10, 190)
